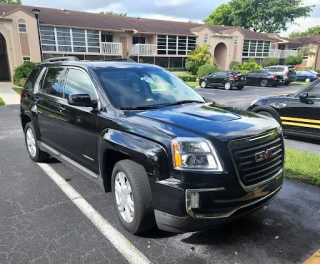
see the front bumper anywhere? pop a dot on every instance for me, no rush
(221, 212)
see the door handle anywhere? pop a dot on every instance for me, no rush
(62, 108)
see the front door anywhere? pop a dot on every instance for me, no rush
(77, 135)
(304, 117)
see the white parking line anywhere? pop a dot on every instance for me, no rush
(123, 245)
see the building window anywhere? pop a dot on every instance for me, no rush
(69, 39)
(175, 45)
(255, 48)
(106, 38)
(235, 41)
(205, 39)
(138, 40)
(22, 28)
(26, 59)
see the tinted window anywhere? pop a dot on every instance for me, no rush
(78, 82)
(52, 81)
(314, 92)
(32, 79)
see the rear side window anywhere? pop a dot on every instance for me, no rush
(52, 82)
(276, 69)
(78, 82)
(32, 79)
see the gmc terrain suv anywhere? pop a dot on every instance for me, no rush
(170, 157)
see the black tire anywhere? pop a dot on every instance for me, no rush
(228, 86)
(240, 87)
(143, 216)
(203, 84)
(264, 83)
(39, 155)
(287, 83)
(268, 111)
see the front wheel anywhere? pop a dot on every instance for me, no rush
(132, 196)
(264, 83)
(227, 86)
(240, 87)
(307, 80)
(203, 84)
(32, 146)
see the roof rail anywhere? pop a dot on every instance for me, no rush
(128, 60)
(71, 58)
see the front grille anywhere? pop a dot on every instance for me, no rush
(254, 168)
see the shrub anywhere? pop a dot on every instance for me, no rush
(244, 72)
(22, 81)
(233, 64)
(191, 67)
(188, 78)
(251, 60)
(22, 72)
(269, 62)
(308, 68)
(248, 66)
(293, 60)
(175, 69)
(318, 71)
(206, 70)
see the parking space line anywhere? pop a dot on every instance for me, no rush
(123, 245)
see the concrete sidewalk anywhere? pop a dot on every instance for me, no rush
(8, 95)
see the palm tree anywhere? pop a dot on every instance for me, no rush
(201, 55)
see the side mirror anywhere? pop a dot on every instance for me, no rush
(81, 100)
(304, 97)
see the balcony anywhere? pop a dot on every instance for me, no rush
(282, 54)
(144, 49)
(111, 48)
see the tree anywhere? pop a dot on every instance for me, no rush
(200, 56)
(17, 2)
(260, 15)
(293, 60)
(113, 13)
(269, 62)
(309, 32)
(308, 50)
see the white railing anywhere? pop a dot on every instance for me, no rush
(111, 48)
(144, 49)
(282, 54)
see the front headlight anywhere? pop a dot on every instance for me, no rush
(194, 154)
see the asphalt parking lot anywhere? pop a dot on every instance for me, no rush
(40, 224)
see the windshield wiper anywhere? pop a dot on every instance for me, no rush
(139, 107)
(160, 105)
(182, 102)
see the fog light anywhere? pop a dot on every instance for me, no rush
(194, 200)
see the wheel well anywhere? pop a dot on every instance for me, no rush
(268, 109)
(25, 120)
(110, 158)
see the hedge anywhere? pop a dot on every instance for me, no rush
(206, 70)
(22, 72)
(175, 69)
(189, 78)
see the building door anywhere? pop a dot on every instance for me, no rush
(4, 66)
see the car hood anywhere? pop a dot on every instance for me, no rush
(208, 120)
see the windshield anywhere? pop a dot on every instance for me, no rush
(145, 87)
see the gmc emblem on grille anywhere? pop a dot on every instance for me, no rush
(266, 154)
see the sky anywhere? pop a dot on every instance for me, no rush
(179, 10)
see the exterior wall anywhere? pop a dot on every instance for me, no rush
(237, 51)
(228, 42)
(126, 47)
(20, 44)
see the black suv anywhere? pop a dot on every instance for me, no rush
(225, 79)
(169, 157)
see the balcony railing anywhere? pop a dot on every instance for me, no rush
(282, 54)
(113, 48)
(144, 49)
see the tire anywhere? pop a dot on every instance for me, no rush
(287, 83)
(203, 84)
(141, 218)
(274, 85)
(307, 80)
(264, 83)
(32, 146)
(240, 87)
(267, 111)
(227, 86)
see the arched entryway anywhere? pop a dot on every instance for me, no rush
(4, 65)
(220, 54)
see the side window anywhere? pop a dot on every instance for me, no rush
(32, 79)
(314, 92)
(52, 81)
(79, 82)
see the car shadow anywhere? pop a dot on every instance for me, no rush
(305, 140)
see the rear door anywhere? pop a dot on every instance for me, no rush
(46, 100)
(77, 135)
(301, 117)
(221, 78)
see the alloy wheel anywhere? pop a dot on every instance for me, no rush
(264, 83)
(31, 142)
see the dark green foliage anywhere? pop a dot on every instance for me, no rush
(309, 32)
(22, 72)
(17, 2)
(188, 78)
(293, 60)
(269, 62)
(248, 66)
(175, 69)
(233, 64)
(206, 70)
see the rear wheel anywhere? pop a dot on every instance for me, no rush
(32, 146)
(227, 86)
(240, 87)
(132, 196)
(307, 80)
(203, 84)
(264, 83)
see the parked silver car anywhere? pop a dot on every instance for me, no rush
(288, 72)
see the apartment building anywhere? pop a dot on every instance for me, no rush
(92, 36)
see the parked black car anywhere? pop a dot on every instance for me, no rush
(226, 79)
(168, 157)
(298, 113)
(263, 78)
